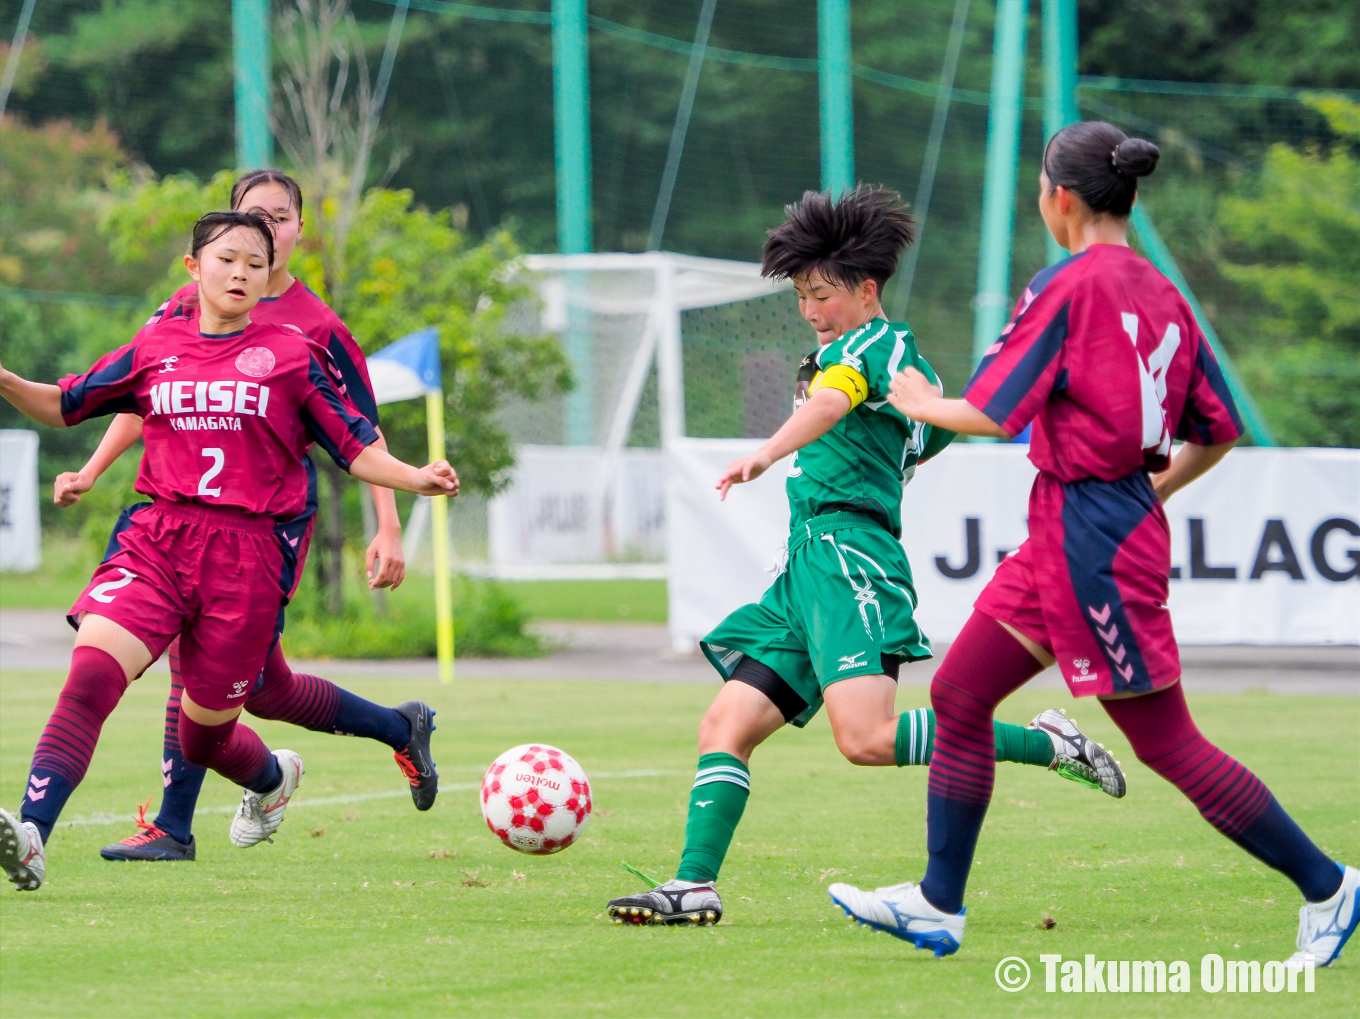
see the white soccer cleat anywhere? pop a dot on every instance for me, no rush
(1324, 927)
(1078, 758)
(902, 911)
(260, 814)
(21, 852)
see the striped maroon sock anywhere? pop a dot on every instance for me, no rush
(93, 688)
(1165, 738)
(288, 696)
(318, 704)
(982, 668)
(233, 749)
(180, 780)
(1227, 795)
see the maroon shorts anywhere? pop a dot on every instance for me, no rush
(1090, 584)
(217, 578)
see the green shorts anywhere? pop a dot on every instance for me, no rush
(844, 600)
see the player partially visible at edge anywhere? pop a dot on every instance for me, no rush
(281, 694)
(839, 619)
(1106, 358)
(211, 559)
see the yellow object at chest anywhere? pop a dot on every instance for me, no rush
(838, 376)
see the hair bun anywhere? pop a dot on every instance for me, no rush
(1135, 157)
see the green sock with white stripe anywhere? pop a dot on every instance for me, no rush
(1015, 743)
(915, 736)
(716, 803)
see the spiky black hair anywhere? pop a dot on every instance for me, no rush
(859, 236)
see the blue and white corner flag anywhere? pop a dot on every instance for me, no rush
(407, 368)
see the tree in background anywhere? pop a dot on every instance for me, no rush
(62, 294)
(470, 106)
(158, 72)
(327, 123)
(1293, 240)
(388, 269)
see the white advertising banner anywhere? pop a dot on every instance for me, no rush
(1265, 548)
(719, 554)
(560, 508)
(20, 534)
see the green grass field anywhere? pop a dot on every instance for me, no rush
(620, 601)
(364, 907)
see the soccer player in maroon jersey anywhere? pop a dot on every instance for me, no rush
(230, 406)
(281, 694)
(1105, 357)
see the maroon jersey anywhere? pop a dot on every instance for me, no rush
(1105, 357)
(226, 419)
(296, 306)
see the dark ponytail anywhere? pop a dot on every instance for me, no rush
(1100, 164)
(255, 178)
(215, 224)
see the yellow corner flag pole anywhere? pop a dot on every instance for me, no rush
(439, 520)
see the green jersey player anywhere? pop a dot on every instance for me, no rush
(839, 618)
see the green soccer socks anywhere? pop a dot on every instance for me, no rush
(1022, 745)
(716, 803)
(722, 785)
(1015, 743)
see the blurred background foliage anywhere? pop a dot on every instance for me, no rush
(135, 90)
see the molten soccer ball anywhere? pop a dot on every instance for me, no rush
(536, 799)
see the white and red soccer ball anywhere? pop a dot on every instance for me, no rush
(536, 799)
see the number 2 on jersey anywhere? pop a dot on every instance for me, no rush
(1152, 378)
(218, 458)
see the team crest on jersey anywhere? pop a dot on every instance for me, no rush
(257, 362)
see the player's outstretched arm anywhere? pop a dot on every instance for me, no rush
(920, 399)
(379, 467)
(37, 400)
(385, 549)
(122, 434)
(808, 423)
(1189, 463)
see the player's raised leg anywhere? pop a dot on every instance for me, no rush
(1238, 804)
(322, 706)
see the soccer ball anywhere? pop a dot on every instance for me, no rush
(536, 799)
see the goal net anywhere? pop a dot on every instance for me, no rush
(662, 347)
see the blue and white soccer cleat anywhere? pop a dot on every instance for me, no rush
(1325, 927)
(902, 911)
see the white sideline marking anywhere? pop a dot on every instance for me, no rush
(333, 801)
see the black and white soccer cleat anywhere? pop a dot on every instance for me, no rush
(1078, 758)
(670, 904)
(414, 759)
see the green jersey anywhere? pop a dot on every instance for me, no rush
(862, 463)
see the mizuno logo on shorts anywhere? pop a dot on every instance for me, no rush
(855, 661)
